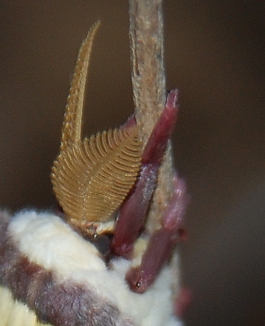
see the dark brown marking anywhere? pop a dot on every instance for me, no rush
(54, 301)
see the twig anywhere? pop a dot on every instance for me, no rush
(148, 80)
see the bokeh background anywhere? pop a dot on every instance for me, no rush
(215, 56)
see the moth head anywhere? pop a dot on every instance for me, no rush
(91, 177)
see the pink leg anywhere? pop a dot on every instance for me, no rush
(133, 212)
(162, 241)
(183, 302)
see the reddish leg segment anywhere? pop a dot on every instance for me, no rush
(133, 212)
(162, 241)
(183, 302)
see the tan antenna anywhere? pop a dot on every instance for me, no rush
(91, 178)
(72, 124)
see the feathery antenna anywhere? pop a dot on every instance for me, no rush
(71, 130)
(92, 177)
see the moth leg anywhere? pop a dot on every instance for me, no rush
(134, 210)
(183, 302)
(162, 241)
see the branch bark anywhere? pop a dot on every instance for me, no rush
(148, 81)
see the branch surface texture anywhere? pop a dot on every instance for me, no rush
(148, 81)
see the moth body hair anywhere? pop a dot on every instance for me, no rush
(67, 261)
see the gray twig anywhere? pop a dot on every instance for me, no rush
(148, 80)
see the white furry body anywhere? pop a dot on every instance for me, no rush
(49, 242)
(15, 313)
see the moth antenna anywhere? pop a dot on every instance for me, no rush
(91, 177)
(72, 124)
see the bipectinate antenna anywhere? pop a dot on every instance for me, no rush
(92, 177)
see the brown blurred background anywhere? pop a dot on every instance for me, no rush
(215, 56)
